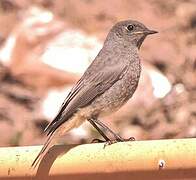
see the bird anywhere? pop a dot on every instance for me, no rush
(106, 85)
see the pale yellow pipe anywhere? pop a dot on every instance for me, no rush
(159, 159)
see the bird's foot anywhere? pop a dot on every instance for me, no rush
(119, 139)
(98, 141)
(110, 142)
(129, 139)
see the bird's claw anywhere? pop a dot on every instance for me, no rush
(130, 139)
(110, 142)
(97, 141)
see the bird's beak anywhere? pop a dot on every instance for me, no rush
(146, 32)
(150, 32)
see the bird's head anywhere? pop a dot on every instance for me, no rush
(130, 32)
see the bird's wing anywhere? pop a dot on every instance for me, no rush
(85, 91)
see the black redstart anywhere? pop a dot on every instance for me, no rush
(106, 85)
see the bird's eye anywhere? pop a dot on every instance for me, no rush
(130, 27)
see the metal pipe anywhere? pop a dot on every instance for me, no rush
(157, 159)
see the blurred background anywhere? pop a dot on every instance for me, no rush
(46, 45)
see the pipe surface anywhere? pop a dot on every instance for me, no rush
(157, 159)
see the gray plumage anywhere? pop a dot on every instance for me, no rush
(106, 85)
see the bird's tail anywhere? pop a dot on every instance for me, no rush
(48, 144)
(65, 127)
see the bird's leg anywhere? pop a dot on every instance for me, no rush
(116, 136)
(95, 121)
(107, 140)
(99, 130)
